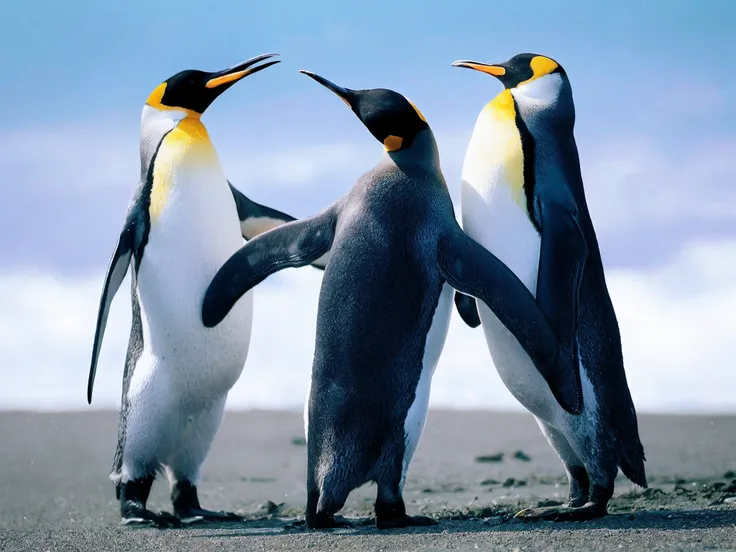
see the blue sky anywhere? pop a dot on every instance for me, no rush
(655, 94)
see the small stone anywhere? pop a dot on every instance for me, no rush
(729, 474)
(509, 482)
(490, 482)
(299, 441)
(272, 508)
(489, 458)
(521, 455)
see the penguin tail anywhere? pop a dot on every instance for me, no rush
(631, 463)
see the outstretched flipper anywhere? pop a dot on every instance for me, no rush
(116, 272)
(291, 245)
(467, 309)
(256, 219)
(561, 260)
(471, 269)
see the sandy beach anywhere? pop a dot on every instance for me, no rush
(472, 471)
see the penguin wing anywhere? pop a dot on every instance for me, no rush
(562, 258)
(473, 270)
(563, 251)
(256, 219)
(467, 309)
(290, 245)
(116, 272)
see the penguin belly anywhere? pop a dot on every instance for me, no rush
(494, 214)
(417, 413)
(193, 236)
(499, 225)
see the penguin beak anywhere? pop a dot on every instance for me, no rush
(495, 70)
(344, 93)
(239, 71)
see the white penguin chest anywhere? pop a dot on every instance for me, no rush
(194, 230)
(494, 214)
(494, 208)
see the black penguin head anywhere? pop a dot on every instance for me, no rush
(519, 70)
(389, 116)
(193, 91)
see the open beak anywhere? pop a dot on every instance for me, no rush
(345, 94)
(237, 72)
(495, 70)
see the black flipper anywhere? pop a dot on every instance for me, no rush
(291, 245)
(256, 219)
(467, 309)
(561, 263)
(116, 272)
(471, 269)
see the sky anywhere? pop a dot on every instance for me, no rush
(655, 96)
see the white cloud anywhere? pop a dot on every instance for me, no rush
(71, 158)
(299, 166)
(677, 326)
(633, 184)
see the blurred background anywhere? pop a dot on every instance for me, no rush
(655, 92)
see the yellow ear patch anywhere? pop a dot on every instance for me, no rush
(421, 116)
(157, 96)
(540, 66)
(393, 143)
(154, 100)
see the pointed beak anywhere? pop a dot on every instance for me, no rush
(345, 94)
(239, 71)
(495, 70)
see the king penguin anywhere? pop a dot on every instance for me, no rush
(396, 252)
(523, 200)
(182, 224)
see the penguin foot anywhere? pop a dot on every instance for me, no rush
(328, 521)
(133, 496)
(136, 514)
(564, 512)
(405, 521)
(185, 499)
(392, 515)
(198, 515)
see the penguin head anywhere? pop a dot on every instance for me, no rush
(389, 116)
(191, 92)
(531, 76)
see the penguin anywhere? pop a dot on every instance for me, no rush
(184, 221)
(523, 200)
(396, 252)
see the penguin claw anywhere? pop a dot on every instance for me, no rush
(564, 512)
(331, 522)
(405, 521)
(197, 515)
(146, 518)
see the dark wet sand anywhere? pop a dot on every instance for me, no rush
(55, 495)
